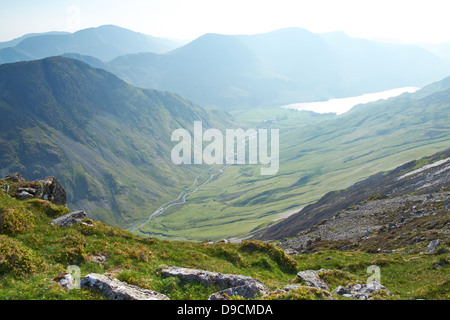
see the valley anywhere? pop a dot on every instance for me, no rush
(330, 153)
(109, 141)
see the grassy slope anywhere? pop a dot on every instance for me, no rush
(32, 253)
(316, 156)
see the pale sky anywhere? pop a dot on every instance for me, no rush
(410, 21)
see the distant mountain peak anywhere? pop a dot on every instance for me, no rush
(105, 42)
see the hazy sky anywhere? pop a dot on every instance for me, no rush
(410, 21)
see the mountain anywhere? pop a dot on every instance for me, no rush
(442, 50)
(108, 141)
(425, 176)
(243, 71)
(375, 66)
(210, 69)
(104, 43)
(281, 67)
(16, 41)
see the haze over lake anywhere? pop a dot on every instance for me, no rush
(340, 106)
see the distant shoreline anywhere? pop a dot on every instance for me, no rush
(342, 105)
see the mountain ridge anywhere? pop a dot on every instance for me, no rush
(276, 68)
(108, 140)
(280, 67)
(105, 43)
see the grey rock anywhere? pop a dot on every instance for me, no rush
(341, 291)
(114, 289)
(432, 246)
(220, 280)
(391, 226)
(47, 189)
(23, 195)
(357, 287)
(248, 291)
(311, 277)
(29, 190)
(53, 191)
(71, 219)
(5, 188)
(16, 177)
(290, 251)
(291, 287)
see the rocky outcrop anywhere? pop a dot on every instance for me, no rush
(71, 219)
(48, 188)
(361, 291)
(243, 286)
(52, 190)
(312, 279)
(115, 289)
(15, 177)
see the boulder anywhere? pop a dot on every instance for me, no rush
(71, 219)
(432, 246)
(115, 289)
(237, 284)
(248, 291)
(312, 279)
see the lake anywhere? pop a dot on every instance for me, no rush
(343, 105)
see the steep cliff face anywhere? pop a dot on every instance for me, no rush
(422, 177)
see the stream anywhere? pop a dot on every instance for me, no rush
(183, 195)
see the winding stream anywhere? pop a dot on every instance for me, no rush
(183, 195)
